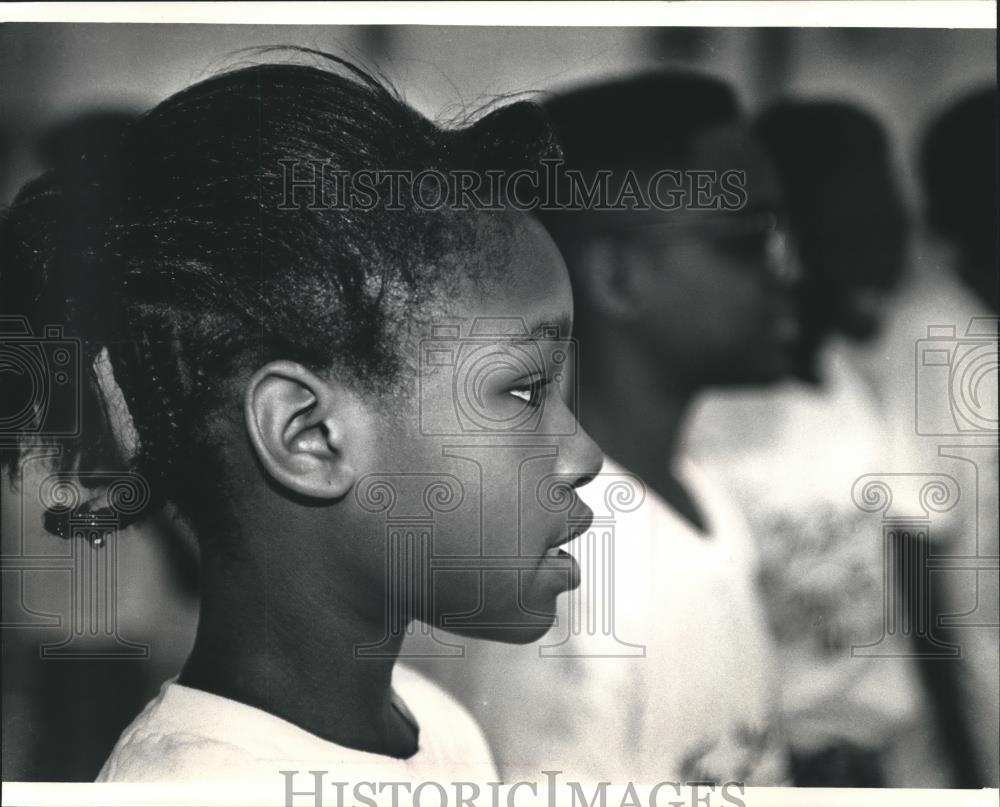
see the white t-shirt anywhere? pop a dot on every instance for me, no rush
(686, 690)
(929, 371)
(791, 457)
(187, 734)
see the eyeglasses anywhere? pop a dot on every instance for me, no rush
(755, 236)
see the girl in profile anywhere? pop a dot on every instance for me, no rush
(262, 343)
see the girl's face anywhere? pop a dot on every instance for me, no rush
(470, 494)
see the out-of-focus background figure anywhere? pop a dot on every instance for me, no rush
(90, 697)
(871, 407)
(846, 215)
(802, 446)
(958, 166)
(866, 701)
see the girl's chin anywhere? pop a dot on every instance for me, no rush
(520, 627)
(525, 634)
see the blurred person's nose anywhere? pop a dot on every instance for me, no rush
(781, 259)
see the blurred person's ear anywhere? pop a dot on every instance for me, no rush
(299, 426)
(608, 275)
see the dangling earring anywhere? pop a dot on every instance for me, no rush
(92, 524)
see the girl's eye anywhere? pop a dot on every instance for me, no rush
(530, 393)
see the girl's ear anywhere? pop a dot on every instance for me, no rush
(299, 427)
(608, 278)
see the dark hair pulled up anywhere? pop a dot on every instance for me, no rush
(174, 255)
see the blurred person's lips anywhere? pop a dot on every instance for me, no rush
(786, 328)
(869, 302)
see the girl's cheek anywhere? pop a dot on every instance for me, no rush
(564, 421)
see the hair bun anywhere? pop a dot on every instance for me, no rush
(55, 281)
(84, 146)
(510, 138)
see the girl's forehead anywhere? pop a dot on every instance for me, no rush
(526, 272)
(513, 282)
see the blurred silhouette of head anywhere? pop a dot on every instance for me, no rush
(694, 291)
(6, 148)
(958, 165)
(78, 148)
(88, 138)
(845, 214)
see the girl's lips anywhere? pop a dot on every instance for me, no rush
(562, 560)
(566, 563)
(579, 528)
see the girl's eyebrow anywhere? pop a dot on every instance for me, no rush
(555, 328)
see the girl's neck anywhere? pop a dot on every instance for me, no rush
(299, 664)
